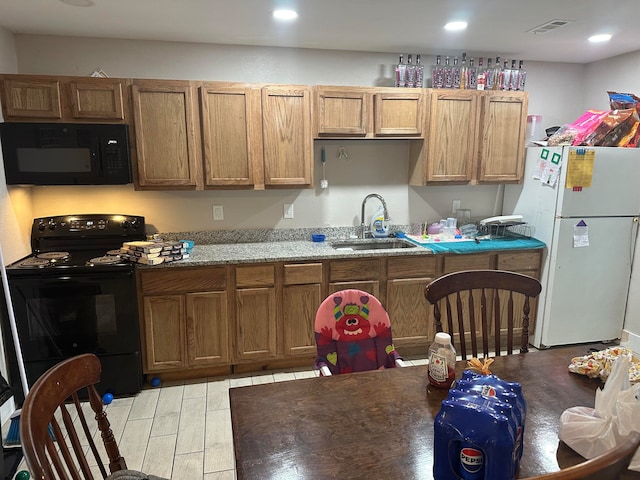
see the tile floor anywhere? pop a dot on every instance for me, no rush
(182, 430)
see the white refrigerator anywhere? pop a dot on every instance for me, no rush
(590, 233)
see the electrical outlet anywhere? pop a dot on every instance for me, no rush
(218, 212)
(288, 210)
(456, 206)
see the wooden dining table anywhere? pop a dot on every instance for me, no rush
(379, 424)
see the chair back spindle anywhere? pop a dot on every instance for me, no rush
(54, 430)
(483, 308)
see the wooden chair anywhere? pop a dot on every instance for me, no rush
(608, 466)
(485, 304)
(353, 334)
(53, 404)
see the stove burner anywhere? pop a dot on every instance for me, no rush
(106, 260)
(53, 256)
(34, 262)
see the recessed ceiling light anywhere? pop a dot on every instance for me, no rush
(605, 37)
(455, 26)
(285, 14)
(79, 3)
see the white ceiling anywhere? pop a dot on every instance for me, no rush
(496, 27)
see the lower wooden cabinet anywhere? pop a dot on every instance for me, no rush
(255, 294)
(164, 332)
(301, 298)
(255, 323)
(186, 322)
(411, 317)
(207, 329)
(259, 316)
(362, 274)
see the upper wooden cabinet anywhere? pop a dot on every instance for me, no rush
(473, 137)
(341, 112)
(232, 135)
(192, 135)
(399, 113)
(168, 155)
(288, 142)
(503, 125)
(64, 99)
(368, 112)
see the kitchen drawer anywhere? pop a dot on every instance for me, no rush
(303, 274)
(361, 269)
(411, 267)
(520, 261)
(457, 263)
(255, 276)
(177, 280)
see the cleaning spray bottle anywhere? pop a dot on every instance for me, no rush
(379, 226)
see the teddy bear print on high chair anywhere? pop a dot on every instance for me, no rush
(353, 333)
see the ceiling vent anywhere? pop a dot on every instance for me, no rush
(549, 26)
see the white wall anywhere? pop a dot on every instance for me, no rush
(619, 74)
(616, 74)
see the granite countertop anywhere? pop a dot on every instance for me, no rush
(295, 249)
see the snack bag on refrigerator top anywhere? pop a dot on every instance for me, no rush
(586, 124)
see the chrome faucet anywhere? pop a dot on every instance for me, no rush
(364, 230)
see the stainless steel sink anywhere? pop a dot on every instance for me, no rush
(369, 244)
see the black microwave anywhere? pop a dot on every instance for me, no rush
(65, 154)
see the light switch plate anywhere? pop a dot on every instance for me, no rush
(288, 210)
(218, 212)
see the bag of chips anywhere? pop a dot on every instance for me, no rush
(621, 101)
(614, 119)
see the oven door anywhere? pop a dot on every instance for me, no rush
(62, 316)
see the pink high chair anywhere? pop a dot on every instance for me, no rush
(353, 334)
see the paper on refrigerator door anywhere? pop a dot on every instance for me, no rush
(548, 167)
(580, 234)
(580, 168)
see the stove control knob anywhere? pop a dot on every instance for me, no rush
(125, 224)
(52, 225)
(134, 223)
(42, 226)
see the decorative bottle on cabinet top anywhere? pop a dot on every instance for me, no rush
(488, 76)
(437, 74)
(401, 73)
(456, 71)
(472, 75)
(420, 72)
(411, 72)
(522, 76)
(448, 74)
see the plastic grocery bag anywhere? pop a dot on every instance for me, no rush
(593, 431)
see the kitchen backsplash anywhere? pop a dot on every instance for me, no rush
(269, 235)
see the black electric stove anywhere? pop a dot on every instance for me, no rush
(75, 294)
(79, 243)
